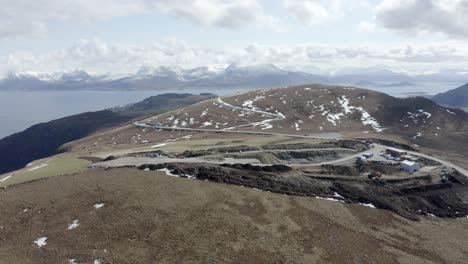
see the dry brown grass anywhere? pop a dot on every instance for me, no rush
(152, 218)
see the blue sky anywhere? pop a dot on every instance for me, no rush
(414, 36)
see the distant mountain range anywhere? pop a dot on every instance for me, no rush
(234, 76)
(454, 98)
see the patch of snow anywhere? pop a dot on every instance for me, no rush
(368, 205)
(6, 178)
(72, 261)
(297, 126)
(366, 118)
(38, 167)
(168, 172)
(369, 120)
(258, 98)
(328, 199)
(418, 116)
(332, 118)
(73, 225)
(248, 103)
(345, 104)
(450, 112)
(98, 205)
(29, 164)
(159, 145)
(205, 124)
(428, 115)
(40, 242)
(204, 113)
(337, 195)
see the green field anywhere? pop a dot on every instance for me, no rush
(55, 166)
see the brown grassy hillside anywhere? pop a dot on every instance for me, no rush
(148, 217)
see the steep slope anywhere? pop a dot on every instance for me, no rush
(43, 140)
(454, 98)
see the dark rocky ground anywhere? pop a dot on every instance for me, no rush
(409, 198)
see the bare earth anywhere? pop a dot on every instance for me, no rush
(149, 217)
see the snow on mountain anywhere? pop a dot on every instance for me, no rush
(253, 70)
(159, 71)
(202, 72)
(172, 77)
(43, 76)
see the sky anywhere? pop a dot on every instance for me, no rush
(319, 36)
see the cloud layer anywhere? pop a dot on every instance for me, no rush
(98, 56)
(23, 17)
(449, 17)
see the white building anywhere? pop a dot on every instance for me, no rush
(409, 166)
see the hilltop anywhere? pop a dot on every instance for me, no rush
(313, 109)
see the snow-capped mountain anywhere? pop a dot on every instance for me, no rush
(232, 76)
(237, 70)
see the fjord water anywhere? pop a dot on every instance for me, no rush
(20, 110)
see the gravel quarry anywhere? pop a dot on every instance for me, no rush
(328, 170)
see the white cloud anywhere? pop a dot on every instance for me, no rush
(24, 17)
(314, 12)
(97, 56)
(449, 17)
(221, 13)
(366, 27)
